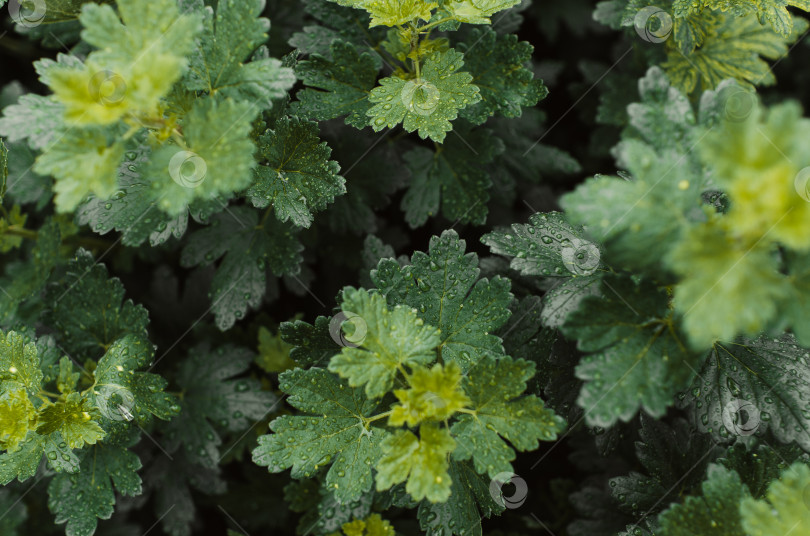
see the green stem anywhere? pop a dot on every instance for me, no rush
(265, 216)
(367, 420)
(434, 23)
(84, 241)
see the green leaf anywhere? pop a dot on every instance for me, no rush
(121, 392)
(83, 161)
(470, 501)
(89, 309)
(664, 117)
(374, 249)
(72, 420)
(547, 246)
(497, 68)
(422, 461)
(295, 174)
(443, 286)
(426, 104)
(323, 509)
(763, 379)
(433, 395)
(215, 398)
(526, 337)
(141, 56)
(343, 84)
(312, 343)
(453, 175)
(80, 500)
(334, 22)
(758, 465)
(248, 249)
(274, 353)
(132, 210)
(773, 11)
(477, 11)
(392, 12)
(714, 513)
(334, 432)
(734, 49)
(174, 498)
(637, 221)
(27, 279)
(388, 339)
(565, 297)
(218, 66)
(369, 192)
(67, 380)
(17, 416)
(218, 160)
(638, 359)
(786, 507)
(728, 286)
(674, 458)
(35, 119)
(24, 186)
(756, 163)
(525, 158)
(60, 456)
(8, 241)
(501, 411)
(19, 361)
(23, 463)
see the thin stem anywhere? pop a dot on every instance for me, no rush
(265, 216)
(377, 417)
(434, 23)
(89, 242)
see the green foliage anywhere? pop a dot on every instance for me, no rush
(707, 42)
(428, 104)
(450, 178)
(220, 65)
(295, 174)
(715, 512)
(214, 400)
(249, 249)
(182, 192)
(444, 287)
(343, 83)
(339, 434)
(390, 340)
(81, 420)
(786, 505)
